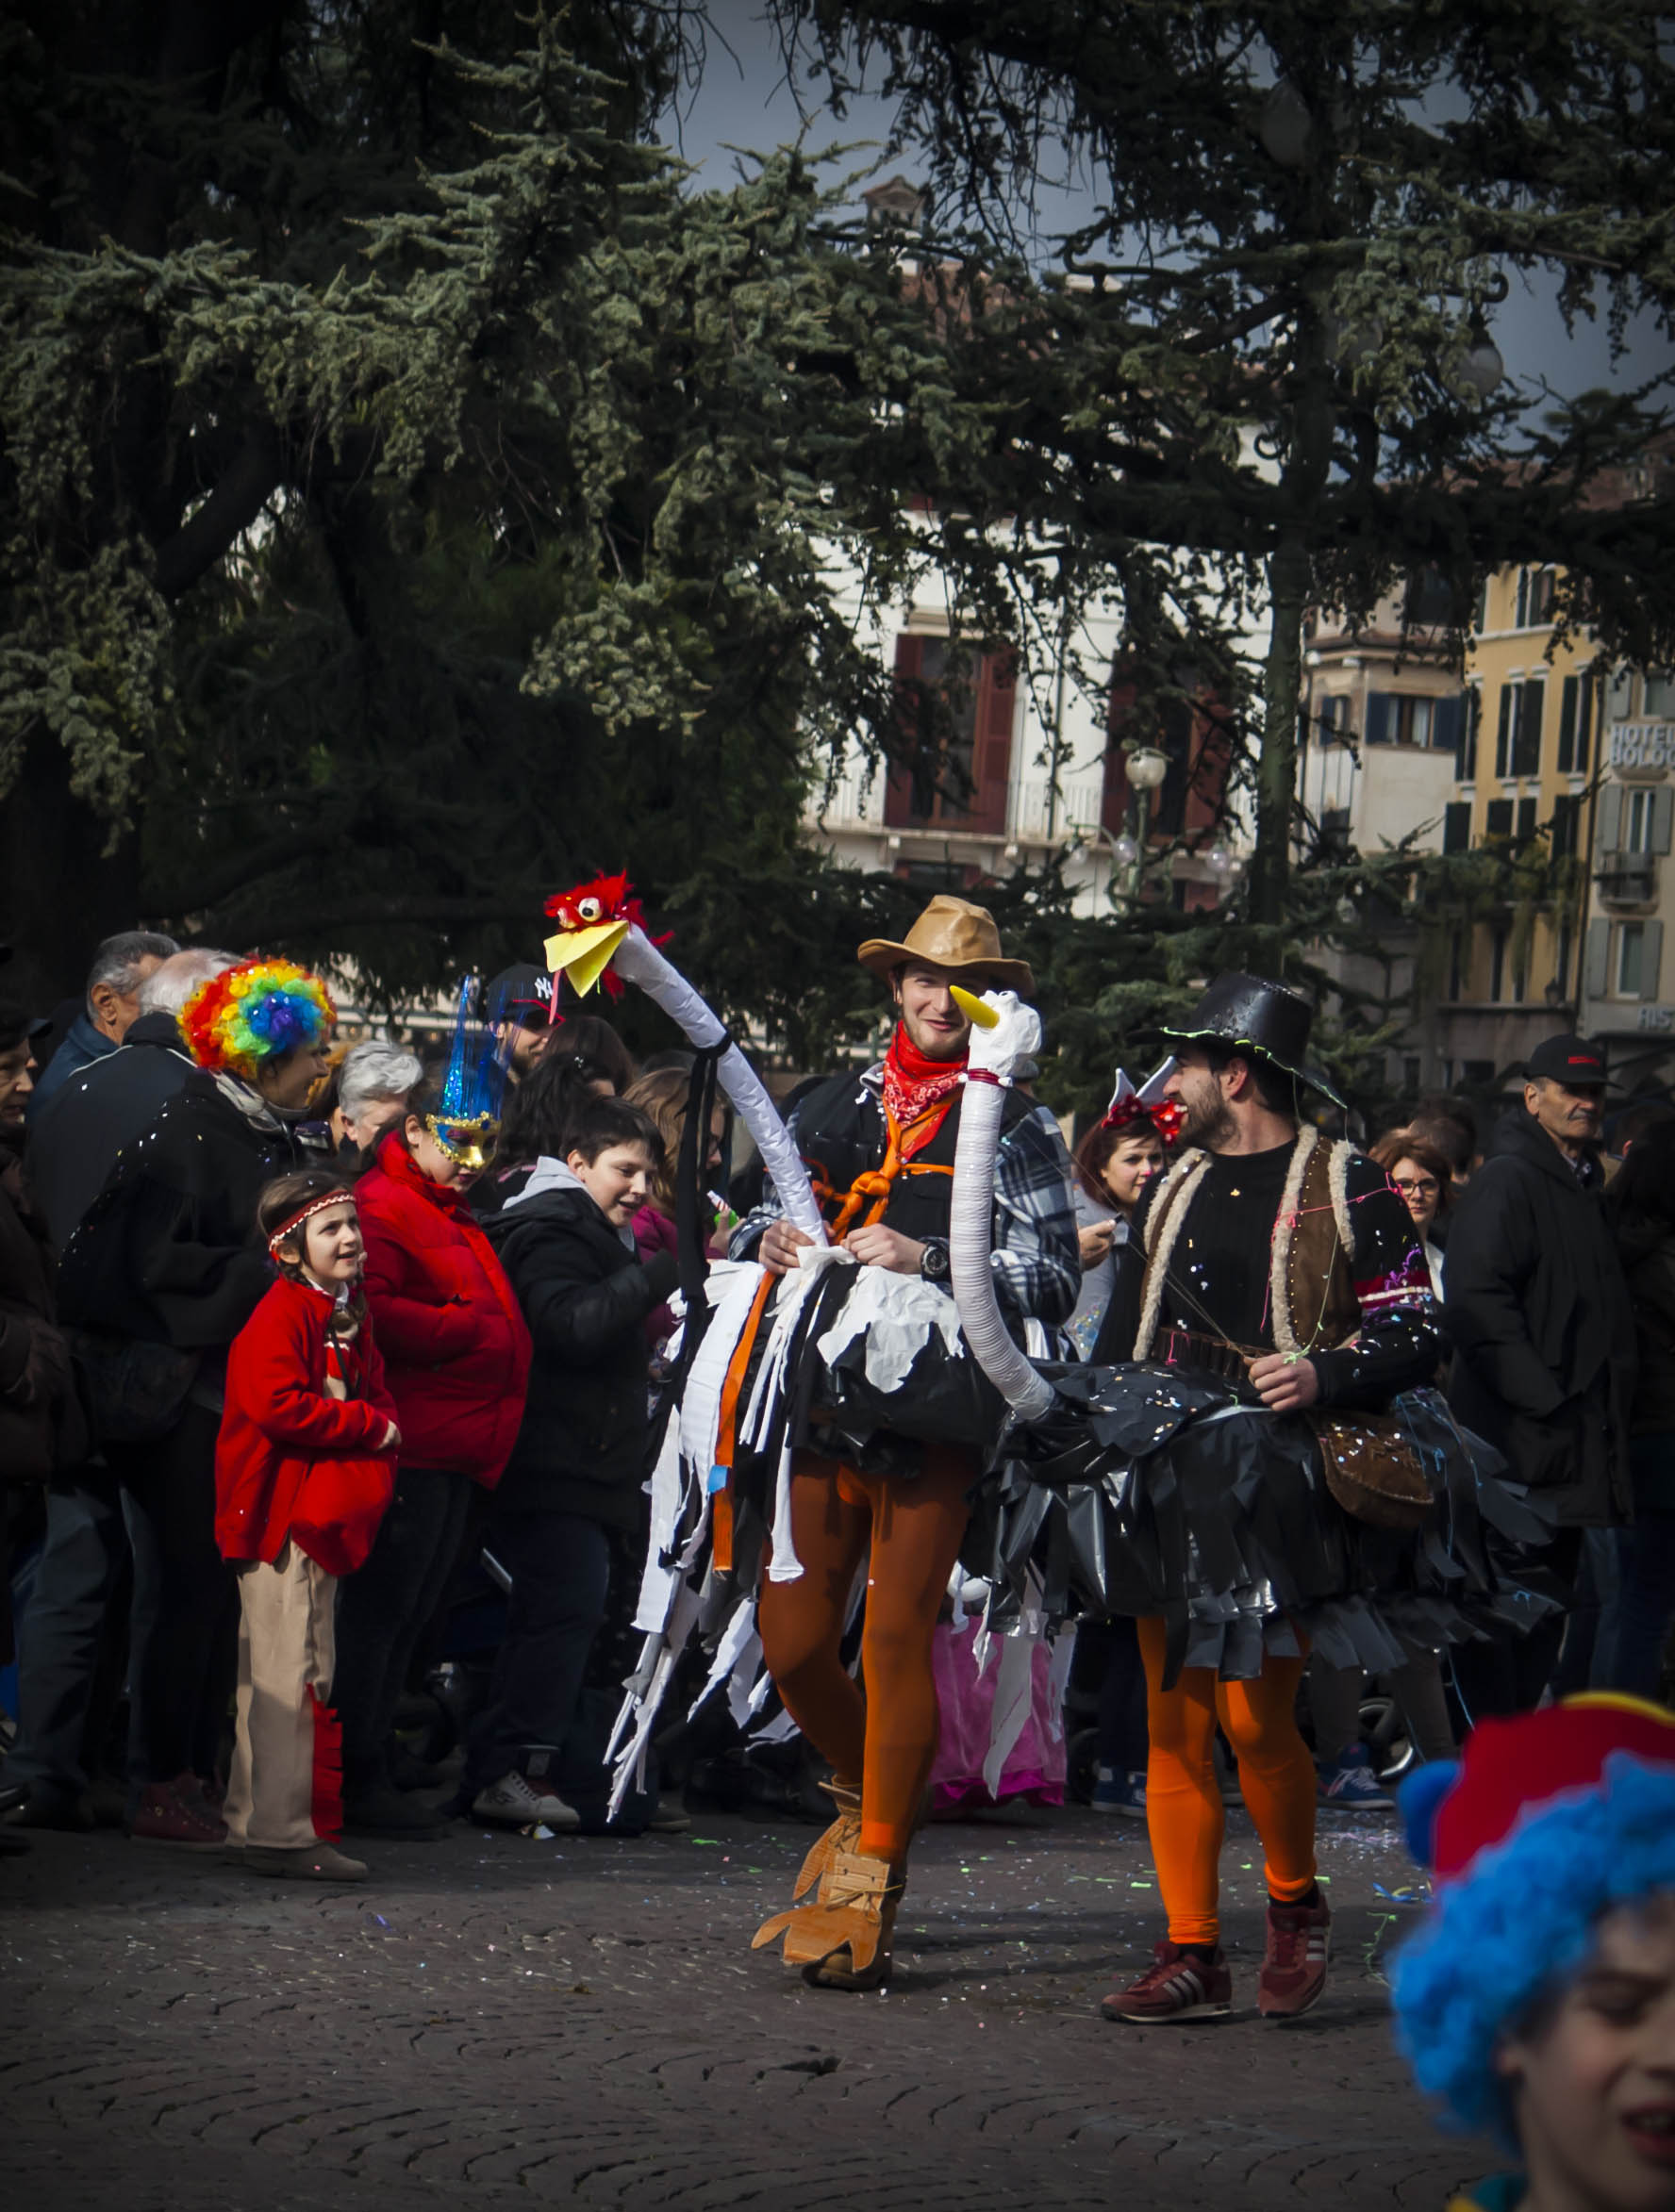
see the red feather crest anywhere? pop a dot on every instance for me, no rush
(606, 899)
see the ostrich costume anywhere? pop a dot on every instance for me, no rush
(830, 1408)
(1152, 1489)
(1163, 1493)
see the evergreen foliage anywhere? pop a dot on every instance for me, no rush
(1245, 386)
(413, 499)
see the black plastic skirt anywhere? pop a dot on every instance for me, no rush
(1157, 1491)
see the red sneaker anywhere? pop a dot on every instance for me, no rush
(174, 1812)
(1294, 1971)
(1176, 1986)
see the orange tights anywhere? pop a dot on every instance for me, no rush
(887, 1738)
(1183, 1811)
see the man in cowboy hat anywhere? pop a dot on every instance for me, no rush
(1291, 1265)
(880, 1151)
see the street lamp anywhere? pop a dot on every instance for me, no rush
(1146, 768)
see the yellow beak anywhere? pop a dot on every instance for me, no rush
(584, 954)
(973, 1008)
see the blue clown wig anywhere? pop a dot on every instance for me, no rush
(1520, 1920)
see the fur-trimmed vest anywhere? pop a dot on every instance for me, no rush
(1311, 1281)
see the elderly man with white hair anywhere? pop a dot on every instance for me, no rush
(373, 1086)
(76, 1135)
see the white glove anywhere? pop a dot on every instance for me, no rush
(1016, 1035)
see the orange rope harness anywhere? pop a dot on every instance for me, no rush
(875, 1183)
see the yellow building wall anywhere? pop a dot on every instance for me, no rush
(1529, 760)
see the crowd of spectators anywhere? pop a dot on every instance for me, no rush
(522, 1309)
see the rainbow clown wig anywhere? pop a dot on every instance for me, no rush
(255, 1011)
(1548, 1821)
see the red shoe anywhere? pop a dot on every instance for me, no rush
(1294, 1971)
(1176, 1986)
(174, 1812)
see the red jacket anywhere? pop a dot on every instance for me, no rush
(455, 1342)
(278, 1427)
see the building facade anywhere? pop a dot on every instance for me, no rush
(1384, 711)
(1026, 770)
(1567, 762)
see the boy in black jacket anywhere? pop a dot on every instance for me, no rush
(577, 1469)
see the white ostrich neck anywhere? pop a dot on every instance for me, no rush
(969, 1246)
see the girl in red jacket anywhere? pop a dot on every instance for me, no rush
(458, 1359)
(303, 1474)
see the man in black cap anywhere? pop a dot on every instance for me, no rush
(518, 1003)
(1284, 1261)
(1538, 1314)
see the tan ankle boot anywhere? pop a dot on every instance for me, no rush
(843, 1835)
(843, 1942)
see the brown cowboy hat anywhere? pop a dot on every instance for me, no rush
(955, 935)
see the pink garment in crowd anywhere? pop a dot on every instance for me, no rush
(1033, 1766)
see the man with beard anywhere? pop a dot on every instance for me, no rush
(1289, 1265)
(880, 1149)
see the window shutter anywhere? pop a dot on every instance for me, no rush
(1599, 958)
(1585, 720)
(1662, 806)
(1528, 748)
(1456, 826)
(1504, 730)
(1608, 837)
(1448, 724)
(1651, 957)
(1565, 811)
(1378, 717)
(1567, 723)
(899, 791)
(1522, 617)
(1526, 820)
(1475, 715)
(1498, 819)
(991, 753)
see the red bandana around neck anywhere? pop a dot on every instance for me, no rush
(913, 1083)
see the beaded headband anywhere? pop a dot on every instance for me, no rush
(307, 1212)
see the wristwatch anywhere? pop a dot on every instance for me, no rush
(933, 1263)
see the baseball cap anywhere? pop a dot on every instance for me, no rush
(1578, 1062)
(521, 993)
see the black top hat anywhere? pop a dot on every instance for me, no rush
(1578, 1062)
(1253, 1016)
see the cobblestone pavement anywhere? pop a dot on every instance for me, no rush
(584, 2022)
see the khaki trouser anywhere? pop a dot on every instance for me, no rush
(285, 1649)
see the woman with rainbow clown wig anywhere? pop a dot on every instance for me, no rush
(161, 1276)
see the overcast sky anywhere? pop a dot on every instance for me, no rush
(744, 101)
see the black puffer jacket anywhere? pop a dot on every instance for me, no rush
(1538, 1314)
(1646, 1250)
(41, 1430)
(582, 1448)
(168, 1252)
(76, 1136)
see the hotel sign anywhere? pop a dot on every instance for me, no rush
(1642, 745)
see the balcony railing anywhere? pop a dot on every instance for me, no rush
(1035, 814)
(855, 801)
(1629, 879)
